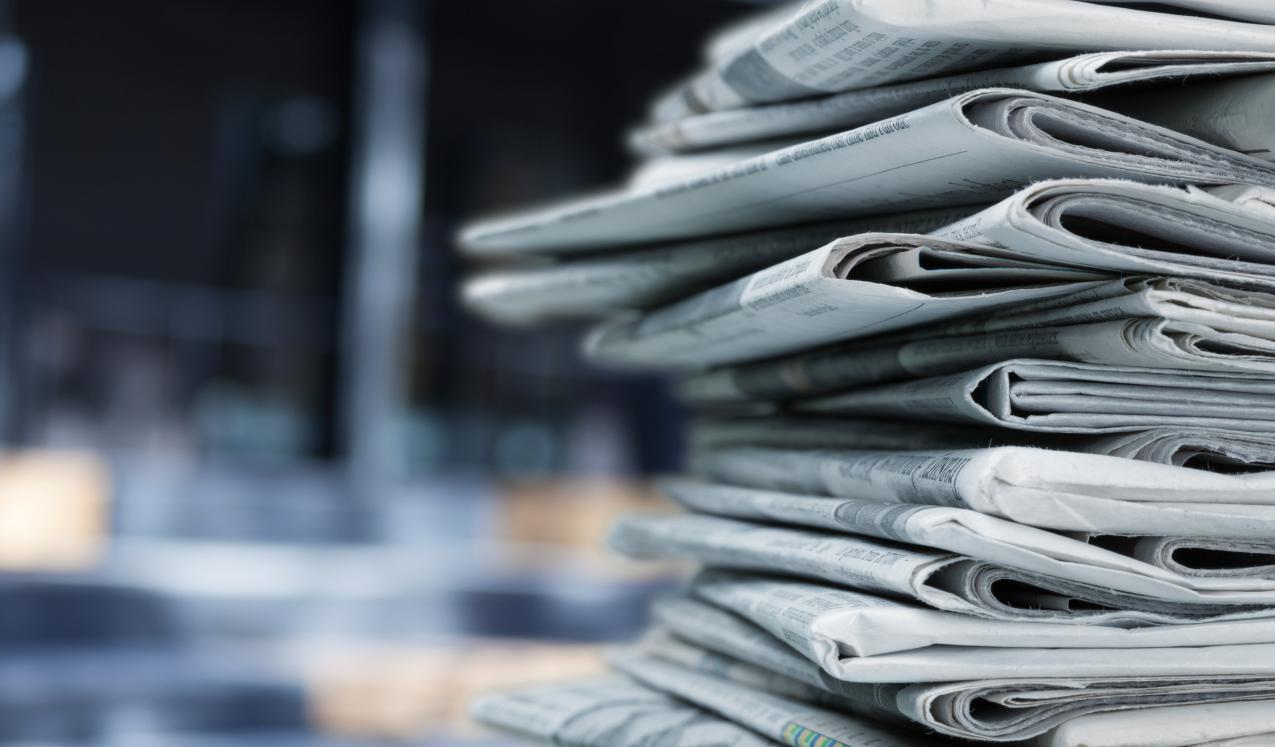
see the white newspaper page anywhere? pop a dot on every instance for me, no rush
(1256, 11)
(992, 710)
(1058, 397)
(1212, 451)
(972, 149)
(1143, 568)
(812, 617)
(1082, 73)
(603, 286)
(1129, 227)
(1160, 323)
(607, 712)
(742, 637)
(1202, 557)
(850, 288)
(1241, 724)
(1233, 114)
(841, 45)
(1038, 487)
(781, 719)
(950, 582)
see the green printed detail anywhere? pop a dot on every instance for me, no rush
(800, 736)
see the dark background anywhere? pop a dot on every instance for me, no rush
(228, 282)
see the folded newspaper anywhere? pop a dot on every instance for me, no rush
(944, 581)
(1157, 322)
(988, 710)
(607, 712)
(841, 45)
(1221, 569)
(1048, 396)
(998, 460)
(1234, 114)
(1212, 451)
(1128, 227)
(1038, 487)
(968, 150)
(602, 286)
(853, 287)
(775, 617)
(1073, 75)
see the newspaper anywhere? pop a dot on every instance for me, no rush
(596, 287)
(1259, 200)
(1079, 74)
(853, 287)
(972, 149)
(998, 710)
(1215, 452)
(1050, 396)
(1038, 487)
(1256, 11)
(944, 581)
(735, 615)
(1238, 724)
(1233, 114)
(1136, 565)
(842, 45)
(783, 719)
(1201, 557)
(1158, 322)
(1128, 227)
(607, 712)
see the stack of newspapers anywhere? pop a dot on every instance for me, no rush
(975, 303)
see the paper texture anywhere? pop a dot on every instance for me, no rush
(1137, 565)
(1212, 451)
(1233, 114)
(782, 719)
(853, 287)
(841, 45)
(607, 712)
(969, 150)
(944, 581)
(1038, 487)
(1079, 74)
(1129, 227)
(603, 286)
(1048, 396)
(705, 639)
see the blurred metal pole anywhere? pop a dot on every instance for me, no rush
(386, 199)
(13, 74)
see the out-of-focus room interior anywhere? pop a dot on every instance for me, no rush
(264, 482)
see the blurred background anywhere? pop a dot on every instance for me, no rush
(263, 481)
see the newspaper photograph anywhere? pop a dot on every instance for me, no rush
(1059, 397)
(841, 45)
(1044, 488)
(1073, 75)
(607, 712)
(864, 285)
(972, 149)
(1128, 227)
(605, 285)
